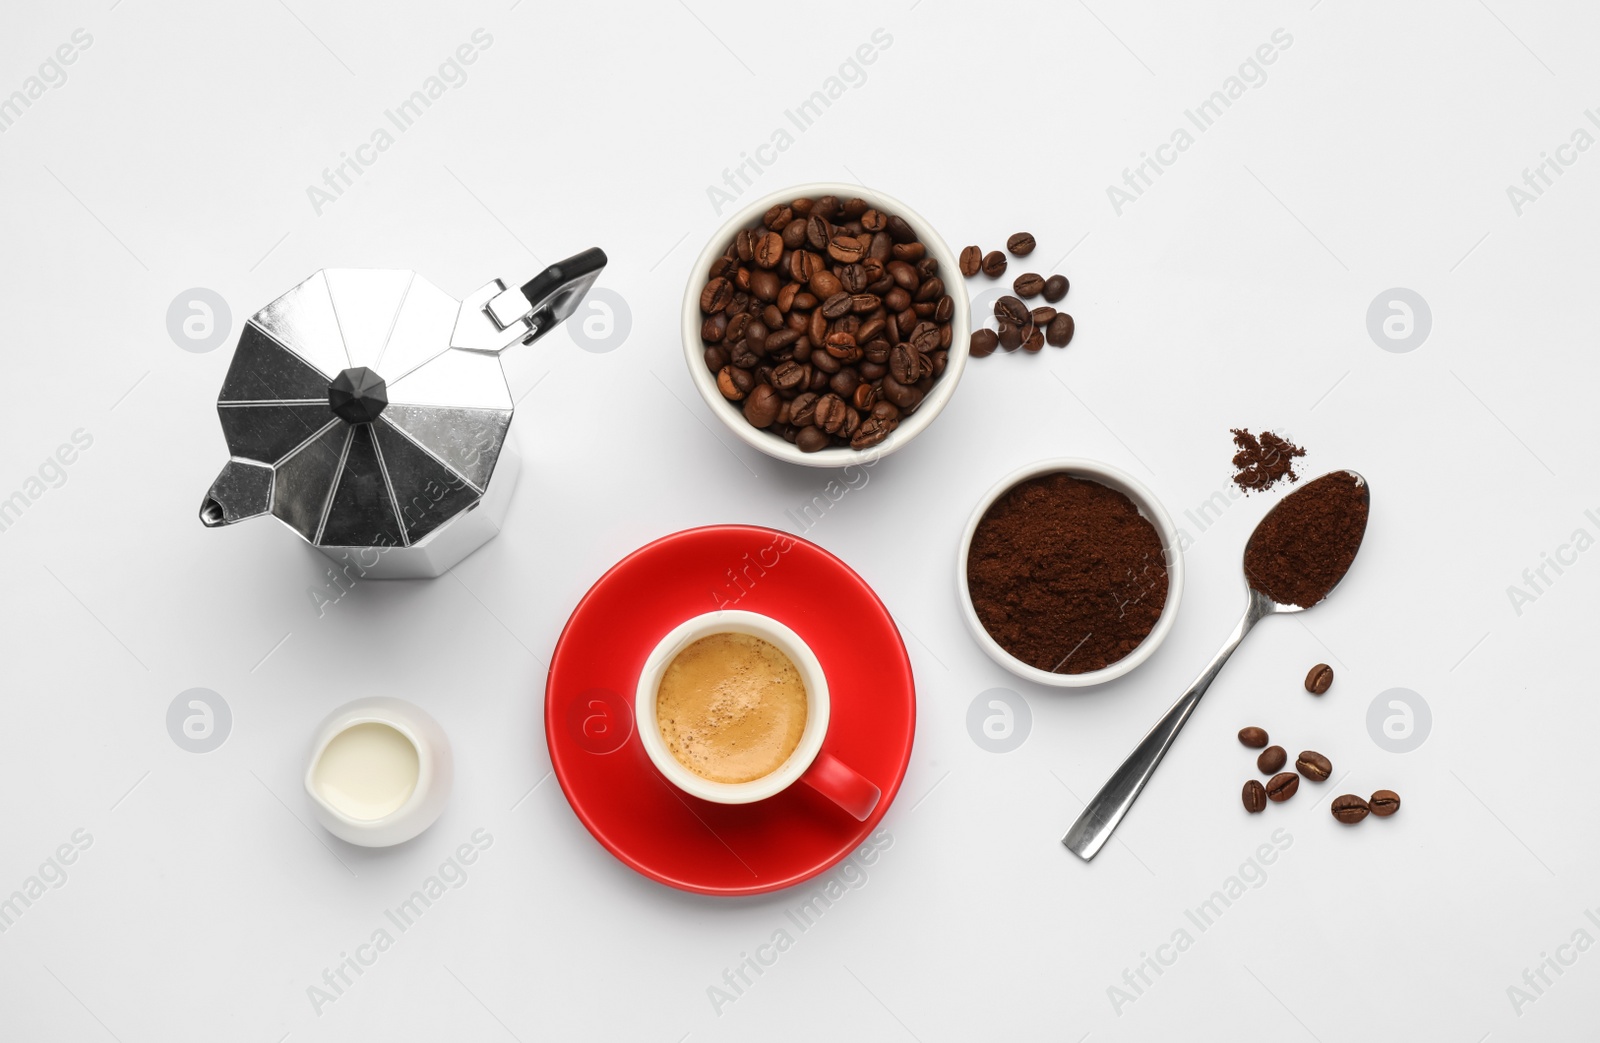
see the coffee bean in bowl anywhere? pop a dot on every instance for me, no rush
(826, 322)
(1069, 573)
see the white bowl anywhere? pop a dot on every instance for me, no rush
(1148, 506)
(834, 456)
(435, 772)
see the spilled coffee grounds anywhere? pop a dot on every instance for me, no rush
(1306, 544)
(1261, 463)
(1066, 574)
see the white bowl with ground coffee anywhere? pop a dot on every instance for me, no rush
(1069, 573)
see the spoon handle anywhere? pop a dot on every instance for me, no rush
(1101, 815)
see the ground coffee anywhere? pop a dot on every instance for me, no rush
(1261, 463)
(1306, 544)
(1066, 574)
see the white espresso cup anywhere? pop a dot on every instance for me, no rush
(808, 763)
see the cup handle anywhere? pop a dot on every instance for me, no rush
(843, 785)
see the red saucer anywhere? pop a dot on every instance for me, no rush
(682, 841)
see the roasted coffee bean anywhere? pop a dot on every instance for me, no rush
(1059, 332)
(853, 277)
(905, 362)
(764, 285)
(1253, 737)
(812, 439)
(971, 261)
(836, 306)
(907, 398)
(1009, 309)
(872, 431)
(944, 309)
(830, 411)
(900, 229)
(1314, 766)
(1349, 808)
(777, 216)
(761, 405)
(781, 340)
(1034, 342)
(787, 376)
(716, 357)
(794, 235)
(874, 220)
(1056, 287)
(909, 252)
(769, 250)
(845, 382)
(803, 409)
(1010, 337)
(744, 244)
(1255, 796)
(1029, 284)
(818, 232)
(1384, 802)
(742, 357)
(1281, 787)
(724, 266)
(1042, 316)
(846, 249)
(842, 346)
(732, 387)
(994, 264)
(925, 337)
(1320, 679)
(861, 303)
(983, 343)
(1272, 759)
(1021, 244)
(864, 396)
(716, 296)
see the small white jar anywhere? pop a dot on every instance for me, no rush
(380, 772)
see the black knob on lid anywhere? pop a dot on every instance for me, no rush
(358, 395)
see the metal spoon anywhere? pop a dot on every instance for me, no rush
(1101, 815)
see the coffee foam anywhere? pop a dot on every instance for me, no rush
(731, 707)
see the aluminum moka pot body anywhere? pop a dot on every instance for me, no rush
(367, 410)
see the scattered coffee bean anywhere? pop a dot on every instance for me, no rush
(1059, 332)
(1350, 809)
(1021, 244)
(1314, 766)
(1056, 287)
(834, 298)
(983, 343)
(1009, 309)
(1253, 737)
(1010, 337)
(1043, 316)
(1029, 284)
(971, 261)
(1255, 796)
(1319, 679)
(994, 264)
(1281, 787)
(1272, 759)
(1384, 802)
(1034, 341)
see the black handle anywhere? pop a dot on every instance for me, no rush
(556, 292)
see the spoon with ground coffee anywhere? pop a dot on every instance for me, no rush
(1293, 560)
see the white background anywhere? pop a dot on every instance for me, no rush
(1234, 292)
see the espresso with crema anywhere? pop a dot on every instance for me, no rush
(731, 707)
